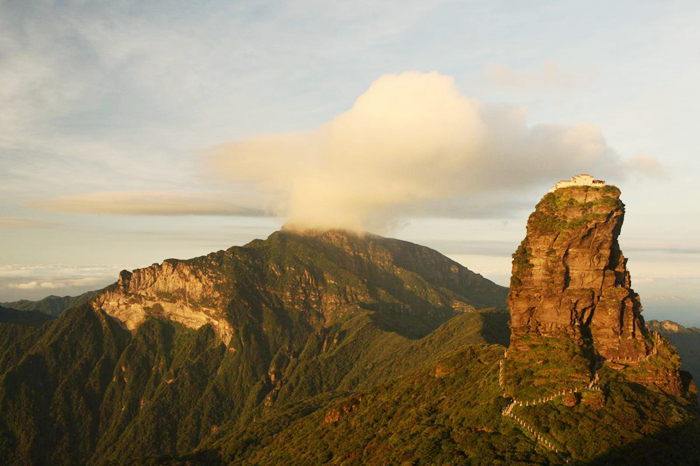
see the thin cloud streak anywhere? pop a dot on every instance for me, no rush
(33, 285)
(158, 203)
(25, 223)
(549, 76)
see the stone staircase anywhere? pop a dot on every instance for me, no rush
(592, 385)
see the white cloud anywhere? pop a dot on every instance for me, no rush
(33, 285)
(549, 76)
(37, 281)
(409, 140)
(86, 281)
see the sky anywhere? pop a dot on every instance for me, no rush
(132, 132)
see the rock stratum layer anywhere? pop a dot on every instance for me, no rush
(570, 277)
(177, 290)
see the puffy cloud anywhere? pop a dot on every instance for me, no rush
(171, 203)
(549, 76)
(410, 141)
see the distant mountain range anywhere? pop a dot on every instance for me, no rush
(51, 305)
(25, 318)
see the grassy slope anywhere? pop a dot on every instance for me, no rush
(84, 389)
(420, 418)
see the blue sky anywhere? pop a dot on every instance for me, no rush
(109, 112)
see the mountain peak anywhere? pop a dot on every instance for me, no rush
(316, 276)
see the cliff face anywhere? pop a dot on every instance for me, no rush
(570, 277)
(181, 292)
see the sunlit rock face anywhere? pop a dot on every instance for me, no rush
(178, 291)
(570, 277)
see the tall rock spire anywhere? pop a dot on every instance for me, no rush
(570, 277)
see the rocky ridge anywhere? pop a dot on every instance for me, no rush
(175, 290)
(668, 327)
(316, 278)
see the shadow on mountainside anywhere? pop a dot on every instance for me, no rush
(496, 329)
(671, 446)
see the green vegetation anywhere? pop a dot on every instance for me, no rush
(555, 209)
(167, 389)
(52, 305)
(622, 414)
(448, 412)
(521, 263)
(611, 190)
(27, 318)
(422, 419)
(353, 393)
(545, 222)
(665, 361)
(346, 350)
(558, 202)
(542, 366)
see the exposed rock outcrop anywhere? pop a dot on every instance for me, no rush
(343, 409)
(174, 290)
(570, 277)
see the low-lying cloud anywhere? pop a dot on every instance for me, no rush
(34, 285)
(19, 281)
(409, 141)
